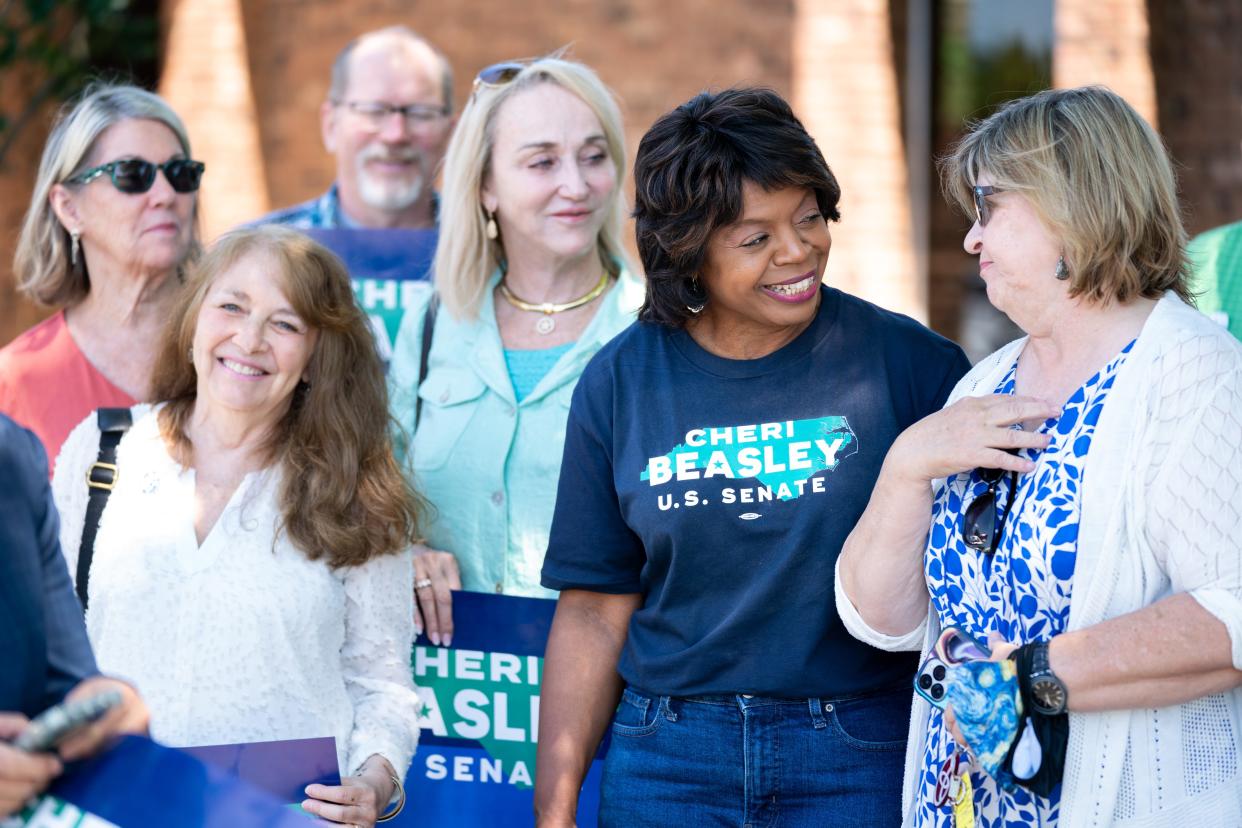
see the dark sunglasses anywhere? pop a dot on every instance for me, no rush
(981, 526)
(498, 74)
(136, 175)
(983, 212)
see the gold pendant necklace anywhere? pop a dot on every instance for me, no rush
(546, 324)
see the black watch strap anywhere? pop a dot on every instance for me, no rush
(1042, 691)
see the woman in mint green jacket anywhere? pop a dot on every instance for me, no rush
(530, 280)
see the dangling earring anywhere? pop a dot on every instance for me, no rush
(694, 283)
(1062, 272)
(75, 244)
(189, 354)
(493, 232)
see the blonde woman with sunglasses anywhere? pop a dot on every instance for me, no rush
(531, 280)
(111, 224)
(1076, 506)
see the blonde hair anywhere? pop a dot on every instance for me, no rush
(465, 257)
(1098, 176)
(343, 496)
(42, 262)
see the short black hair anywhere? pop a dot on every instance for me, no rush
(688, 179)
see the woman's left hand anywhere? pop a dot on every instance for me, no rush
(358, 800)
(436, 575)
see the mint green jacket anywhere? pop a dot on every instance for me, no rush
(488, 463)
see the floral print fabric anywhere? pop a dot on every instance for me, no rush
(1022, 591)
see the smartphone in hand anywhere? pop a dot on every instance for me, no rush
(59, 722)
(954, 646)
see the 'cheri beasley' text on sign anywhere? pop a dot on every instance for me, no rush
(476, 758)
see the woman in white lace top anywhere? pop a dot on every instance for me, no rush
(1084, 487)
(251, 572)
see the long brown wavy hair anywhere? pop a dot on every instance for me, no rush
(343, 497)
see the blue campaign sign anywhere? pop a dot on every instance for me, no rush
(138, 783)
(476, 758)
(390, 270)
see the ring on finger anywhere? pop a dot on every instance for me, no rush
(422, 583)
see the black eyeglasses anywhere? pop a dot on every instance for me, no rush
(375, 113)
(981, 526)
(983, 210)
(137, 175)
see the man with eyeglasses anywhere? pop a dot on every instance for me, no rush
(387, 120)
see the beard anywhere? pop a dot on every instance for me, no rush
(392, 193)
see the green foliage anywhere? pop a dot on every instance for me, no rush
(64, 44)
(974, 84)
(984, 60)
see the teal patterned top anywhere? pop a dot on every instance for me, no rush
(526, 368)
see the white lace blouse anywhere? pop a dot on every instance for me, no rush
(242, 638)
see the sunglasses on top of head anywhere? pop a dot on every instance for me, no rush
(983, 210)
(498, 74)
(136, 175)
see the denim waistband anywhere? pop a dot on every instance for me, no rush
(752, 700)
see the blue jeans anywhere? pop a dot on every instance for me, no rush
(748, 762)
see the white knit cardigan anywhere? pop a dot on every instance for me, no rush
(1161, 514)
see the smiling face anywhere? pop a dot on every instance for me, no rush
(762, 272)
(551, 178)
(130, 233)
(251, 349)
(384, 164)
(1017, 260)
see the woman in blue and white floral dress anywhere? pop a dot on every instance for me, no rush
(1083, 485)
(1022, 591)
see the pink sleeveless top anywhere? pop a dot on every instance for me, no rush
(49, 386)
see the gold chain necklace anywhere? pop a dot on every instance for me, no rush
(546, 323)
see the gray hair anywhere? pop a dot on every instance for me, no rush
(340, 66)
(41, 263)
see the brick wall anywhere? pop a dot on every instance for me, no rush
(848, 94)
(17, 176)
(1196, 52)
(248, 78)
(1105, 41)
(276, 65)
(207, 80)
(654, 54)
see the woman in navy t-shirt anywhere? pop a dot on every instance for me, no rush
(718, 453)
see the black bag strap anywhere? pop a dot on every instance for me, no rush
(100, 479)
(424, 354)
